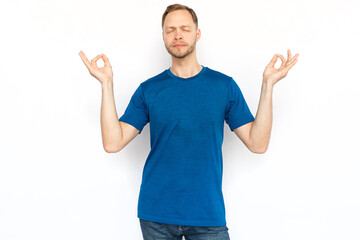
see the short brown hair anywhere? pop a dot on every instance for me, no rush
(175, 7)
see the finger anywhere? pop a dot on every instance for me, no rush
(296, 55)
(106, 61)
(293, 59)
(291, 65)
(273, 61)
(96, 58)
(289, 54)
(283, 61)
(84, 59)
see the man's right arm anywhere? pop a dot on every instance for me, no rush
(115, 134)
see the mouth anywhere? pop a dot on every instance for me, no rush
(178, 45)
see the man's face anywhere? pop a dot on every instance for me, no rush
(180, 34)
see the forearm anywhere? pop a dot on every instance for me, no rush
(261, 128)
(110, 127)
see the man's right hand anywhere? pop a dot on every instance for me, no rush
(104, 74)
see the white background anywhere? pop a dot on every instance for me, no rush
(56, 180)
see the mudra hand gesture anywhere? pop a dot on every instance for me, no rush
(272, 75)
(104, 74)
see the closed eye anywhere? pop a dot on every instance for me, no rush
(184, 28)
(173, 30)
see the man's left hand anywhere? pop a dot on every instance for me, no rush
(272, 75)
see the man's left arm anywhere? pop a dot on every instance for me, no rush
(256, 135)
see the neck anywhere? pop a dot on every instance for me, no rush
(185, 67)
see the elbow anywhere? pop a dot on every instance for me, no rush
(111, 148)
(259, 149)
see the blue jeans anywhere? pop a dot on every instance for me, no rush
(162, 231)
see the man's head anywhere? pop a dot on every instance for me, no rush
(180, 30)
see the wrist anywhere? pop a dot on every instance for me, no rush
(107, 86)
(267, 86)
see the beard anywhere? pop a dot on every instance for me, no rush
(177, 52)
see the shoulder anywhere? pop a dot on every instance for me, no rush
(224, 78)
(153, 80)
(217, 73)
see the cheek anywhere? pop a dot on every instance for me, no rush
(167, 43)
(167, 38)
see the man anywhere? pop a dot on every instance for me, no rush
(186, 105)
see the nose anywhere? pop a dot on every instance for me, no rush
(178, 36)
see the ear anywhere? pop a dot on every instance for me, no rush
(198, 34)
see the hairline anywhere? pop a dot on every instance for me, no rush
(181, 7)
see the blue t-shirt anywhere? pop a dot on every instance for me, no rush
(182, 176)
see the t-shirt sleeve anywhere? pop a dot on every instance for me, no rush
(237, 111)
(136, 113)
